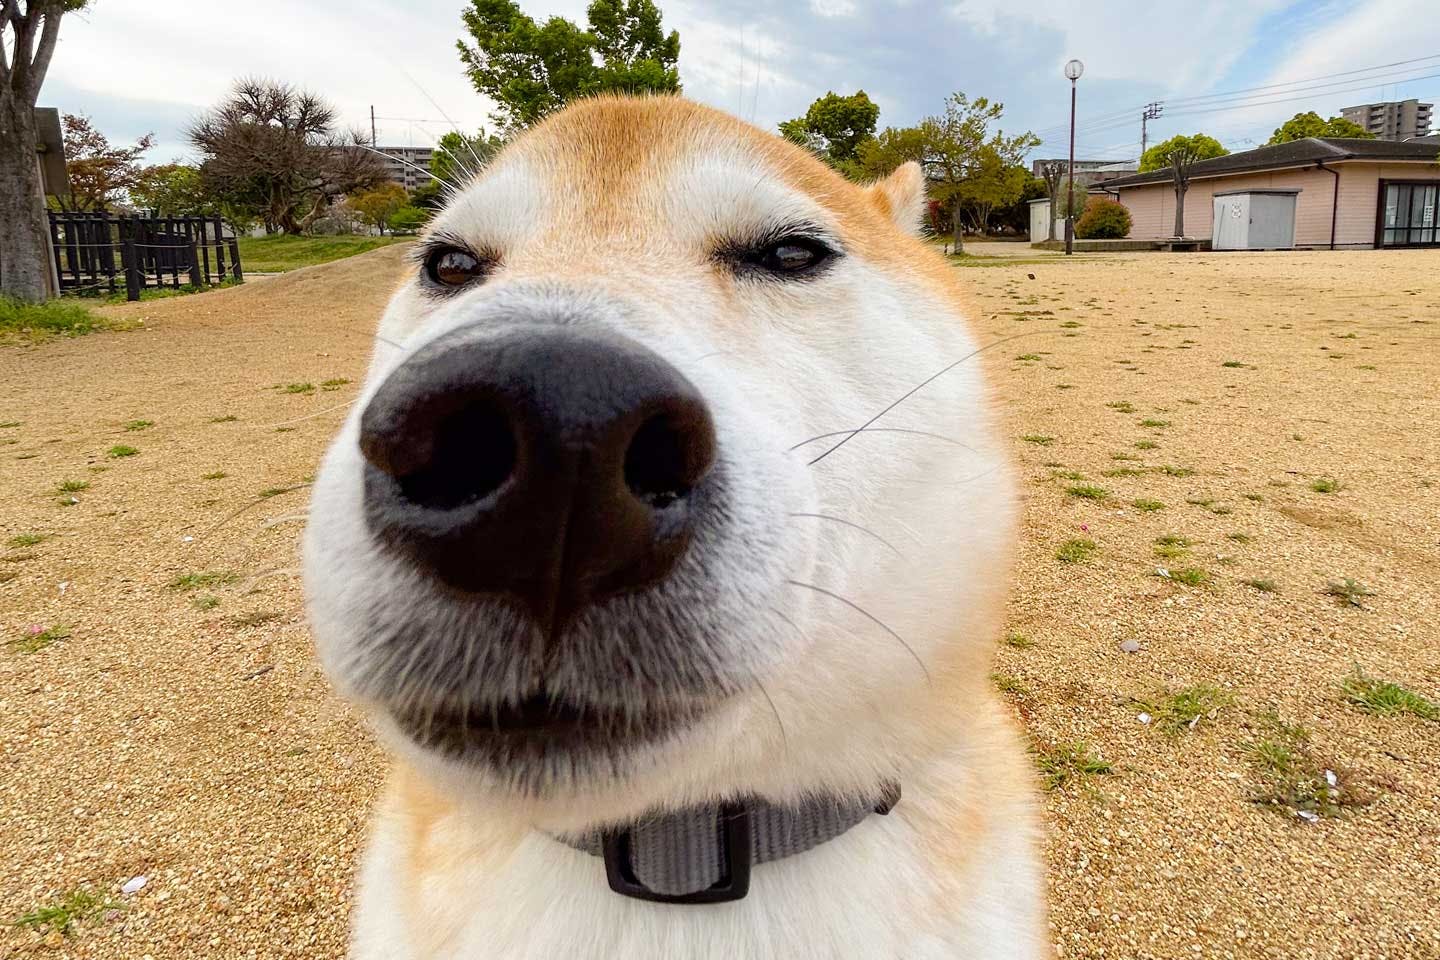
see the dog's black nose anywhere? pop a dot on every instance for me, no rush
(550, 465)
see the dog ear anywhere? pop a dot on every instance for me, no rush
(901, 196)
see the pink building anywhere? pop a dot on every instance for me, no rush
(1354, 194)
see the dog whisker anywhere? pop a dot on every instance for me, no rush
(901, 430)
(868, 616)
(853, 526)
(310, 416)
(921, 385)
(784, 737)
(288, 518)
(253, 504)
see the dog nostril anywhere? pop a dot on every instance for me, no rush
(667, 456)
(473, 454)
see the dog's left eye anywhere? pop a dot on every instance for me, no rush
(792, 256)
(453, 267)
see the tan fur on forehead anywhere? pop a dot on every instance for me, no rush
(603, 151)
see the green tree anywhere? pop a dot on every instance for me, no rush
(1203, 148)
(1309, 124)
(408, 219)
(531, 69)
(962, 157)
(29, 30)
(1180, 153)
(459, 157)
(379, 203)
(835, 127)
(172, 189)
(994, 182)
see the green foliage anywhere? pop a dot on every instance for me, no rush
(408, 219)
(1386, 699)
(532, 69)
(38, 321)
(377, 204)
(61, 916)
(1103, 220)
(1309, 124)
(1067, 762)
(1181, 150)
(1182, 711)
(834, 127)
(173, 190)
(458, 157)
(1075, 551)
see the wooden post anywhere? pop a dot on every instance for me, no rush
(128, 262)
(220, 247)
(194, 252)
(235, 260)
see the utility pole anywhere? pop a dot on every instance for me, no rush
(1152, 112)
(1073, 70)
(372, 126)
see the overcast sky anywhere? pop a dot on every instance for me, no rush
(137, 66)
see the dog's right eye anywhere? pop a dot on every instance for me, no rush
(453, 267)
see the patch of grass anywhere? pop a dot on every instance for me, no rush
(1066, 475)
(1125, 457)
(41, 321)
(1147, 506)
(1155, 423)
(1254, 497)
(1264, 586)
(1087, 491)
(1122, 472)
(1010, 685)
(1386, 699)
(1325, 485)
(1233, 364)
(186, 582)
(1018, 641)
(133, 425)
(1075, 551)
(1238, 537)
(1349, 592)
(228, 418)
(73, 486)
(1146, 444)
(77, 906)
(1070, 762)
(120, 450)
(1121, 406)
(1181, 711)
(1190, 576)
(1293, 781)
(281, 252)
(35, 639)
(334, 384)
(217, 475)
(206, 601)
(1040, 440)
(1175, 471)
(298, 388)
(22, 540)
(1028, 356)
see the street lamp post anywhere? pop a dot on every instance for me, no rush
(1073, 70)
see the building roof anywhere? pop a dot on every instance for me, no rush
(1296, 153)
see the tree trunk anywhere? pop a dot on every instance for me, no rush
(24, 233)
(958, 224)
(1180, 186)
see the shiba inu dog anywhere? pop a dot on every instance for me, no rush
(665, 548)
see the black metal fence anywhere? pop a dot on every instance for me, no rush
(105, 252)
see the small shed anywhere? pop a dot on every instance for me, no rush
(1040, 222)
(1254, 219)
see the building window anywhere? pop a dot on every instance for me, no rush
(1409, 212)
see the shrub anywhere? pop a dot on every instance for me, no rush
(1103, 220)
(408, 219)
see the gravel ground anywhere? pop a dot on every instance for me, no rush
(182, 731)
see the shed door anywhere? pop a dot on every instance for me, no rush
(1411, 212)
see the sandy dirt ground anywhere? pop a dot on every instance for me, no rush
(176, 726)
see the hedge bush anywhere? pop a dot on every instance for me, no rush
(1103, 220)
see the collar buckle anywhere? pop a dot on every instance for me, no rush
(735, 856)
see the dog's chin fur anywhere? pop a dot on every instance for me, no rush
(829, 627)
